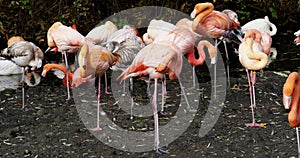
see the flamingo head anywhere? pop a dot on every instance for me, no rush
(200, 7)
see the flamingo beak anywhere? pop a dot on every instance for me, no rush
(194, 13)
(44, 73)
(287, 101)
(297, 40)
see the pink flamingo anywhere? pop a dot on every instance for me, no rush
(252, 57)
(101, 33)
(95, 60)
(66, 40)
(211, 23)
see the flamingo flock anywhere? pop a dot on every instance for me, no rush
(157, 54)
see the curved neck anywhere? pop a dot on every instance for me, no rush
(201, 10)
(289, 84)
(294, 117)
(211, 50)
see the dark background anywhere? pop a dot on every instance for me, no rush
(31, 19)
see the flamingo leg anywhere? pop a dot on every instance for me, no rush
(106, 91)
(131, 96)
(67, 74)
(252, 81)
(98, 128)
(162, 150)
(185, 97)
(163, 92)
(215, 74)
(124, 88)
(194, 77)
(227, 63)
(23, 90)
(298, 141)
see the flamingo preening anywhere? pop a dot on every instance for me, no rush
(291, 96)
(60, 71)
(26, 55)
(253, 57)
(95, 60)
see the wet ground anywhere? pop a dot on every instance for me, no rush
(50, 126)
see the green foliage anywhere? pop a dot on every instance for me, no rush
(273, 12)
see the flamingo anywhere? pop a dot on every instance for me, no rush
(24, 54)
(156, 28)
(297, 39)
(66, 40)
(211, 23)
(291, 95)
(252, 57)
(101, 33)
(95, 60)
(14, 39)
(60, 71)
(261, 25)
(155, 65)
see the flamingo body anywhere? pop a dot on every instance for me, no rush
(261, 25)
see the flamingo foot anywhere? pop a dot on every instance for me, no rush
(162, 150)
(254, 124)
(163, 113)
(107, 92)
(96, 129)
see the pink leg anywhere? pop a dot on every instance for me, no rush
(106, 91)
(163, 93)
(98, 128)
(252, 81)
(23, 90)
(298, 140)
(67, 75)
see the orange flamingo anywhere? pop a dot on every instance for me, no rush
(60, 72)
(95, 60)
(291, 96)
(252, 57)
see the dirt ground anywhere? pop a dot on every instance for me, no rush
(50, 126)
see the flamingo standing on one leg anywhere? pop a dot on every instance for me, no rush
(291, 96)
(210, 23)
(252, 57)
(155, 66)
(95, 60)
(66, 40)
(24, 54)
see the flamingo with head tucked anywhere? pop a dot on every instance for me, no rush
(213, 24)
(95, 60)
(253, 57)
(26, 55)
(65, 40)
